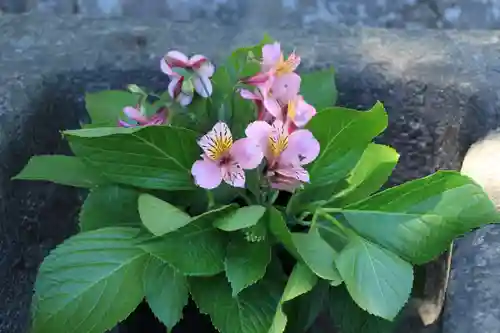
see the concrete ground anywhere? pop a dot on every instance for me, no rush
(409, 14)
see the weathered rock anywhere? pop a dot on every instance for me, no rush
(440, 89)
(474, 292)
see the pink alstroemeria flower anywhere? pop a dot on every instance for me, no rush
(134, 113)
(224, 159)
(274, 95)
(274, 62)
(178, 88)
(285, 153)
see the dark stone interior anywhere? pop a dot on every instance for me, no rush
(430, 126)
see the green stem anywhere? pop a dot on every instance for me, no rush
(339, 225)
(245, 197)
(211, 202)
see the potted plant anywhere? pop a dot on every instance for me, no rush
(244, 189)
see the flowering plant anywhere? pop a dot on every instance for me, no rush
(247, 190)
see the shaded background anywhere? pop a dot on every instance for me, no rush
(409, 14)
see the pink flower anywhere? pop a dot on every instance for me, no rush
(134, 113)
(181, 88)
(285, 153)
(274, 95)
(224, 159)
(273, 60)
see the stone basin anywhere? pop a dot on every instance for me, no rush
(440, 88)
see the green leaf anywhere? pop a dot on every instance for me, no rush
(242, 218)
(317, 254)
(160, 217)
(339, 131)
(343, 135)
(78, 287)
(196, 249)
(419, 219)
(251, 311)
(318, 88)
(301, 281)
(246, 262)
(166, 292)
(279, 228)
(110, 206)
(154, 157)
(60, 169)
(369, 175)
(378, 280)
(350, 318)
(106, 107)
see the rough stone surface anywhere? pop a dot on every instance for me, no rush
(409, 14)
(474, 297)
(441, 90)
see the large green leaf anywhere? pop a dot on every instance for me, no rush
(279, 228)
(301, 281)
(350, 318)
(155, 157)
(160, 217)
(317, 255)
(108, 206)
(318, 88)
(81, 284)
(343, 135)
(369, 175)
(378, 280)
(419, 219)
(251, 311)
(166, 292)
(340, 130)
(246, 262)
(195, 249)
(60, 169)
(242, 218)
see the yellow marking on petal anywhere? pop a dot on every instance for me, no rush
(286, 66)
(278, 141)
(292, 109)
(217, 142)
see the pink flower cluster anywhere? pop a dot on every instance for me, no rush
(276, 135)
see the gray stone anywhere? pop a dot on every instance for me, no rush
(440, 89)
(409, 14)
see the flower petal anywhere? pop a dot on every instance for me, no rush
(206, 174)
(271, 54)
(247, 153)
(288, 178)
(174, 87)
(196, 60)
(135, 114)
(206, 69)
(184, 99)
(122, 123)
(247, 94)
(257, 79)
(302, 148)
(203, 86)
(273, 107)
(302, 111)
(165, 68)
(233, 174)
(259, 132)
(217, 142)
(177, 59)
(285, 87)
